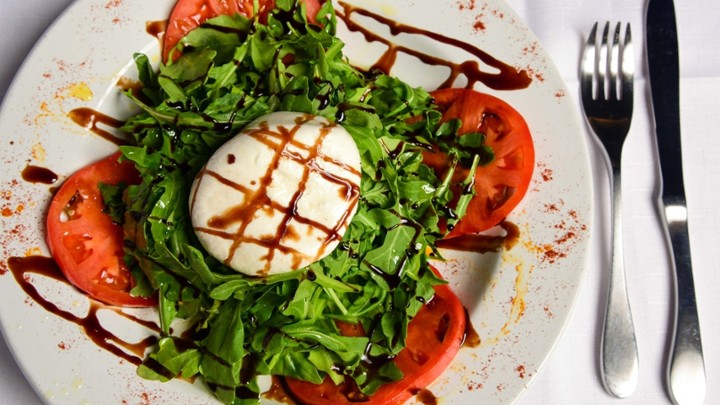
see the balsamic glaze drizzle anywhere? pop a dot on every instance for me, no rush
(506, 78)
(23, 268)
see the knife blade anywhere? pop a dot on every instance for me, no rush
(686, 369)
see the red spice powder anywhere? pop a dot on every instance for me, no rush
(548, 312)
(112, 4)
(547, 174)
(466, 5)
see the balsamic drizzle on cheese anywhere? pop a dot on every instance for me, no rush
(282, 141)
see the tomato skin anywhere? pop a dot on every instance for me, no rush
(502, 184)
(434, 337)
(189, 14)
(86, 244)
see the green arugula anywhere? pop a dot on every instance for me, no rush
(231, 71)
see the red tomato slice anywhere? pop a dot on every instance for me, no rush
(86, 244)
(434, 338)
(189, 14)
(502, 184)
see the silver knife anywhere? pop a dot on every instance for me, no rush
(686, 370)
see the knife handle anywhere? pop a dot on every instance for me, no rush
(619, 353)
(686, 368)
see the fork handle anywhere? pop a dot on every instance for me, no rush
(619, 355)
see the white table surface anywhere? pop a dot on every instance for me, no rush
(570, 375)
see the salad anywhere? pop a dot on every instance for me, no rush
(371, 321)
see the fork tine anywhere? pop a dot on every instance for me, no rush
(587, 67)
(614, 64)
(628, 66)
(602, 64)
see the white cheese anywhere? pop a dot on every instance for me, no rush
(279, 195)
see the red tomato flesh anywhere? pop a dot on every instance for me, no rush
(86, 244)
(434, 338)
(189, 14)
(501, 184)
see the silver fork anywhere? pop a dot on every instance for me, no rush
(606, 86)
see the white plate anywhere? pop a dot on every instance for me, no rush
(519, 300)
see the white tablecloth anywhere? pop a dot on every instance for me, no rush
(570, 375)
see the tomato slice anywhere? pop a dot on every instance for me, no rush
(501, 184)
(189, 14)
(434, 338)
(86, 244)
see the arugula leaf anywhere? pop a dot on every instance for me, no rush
(112, 200)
